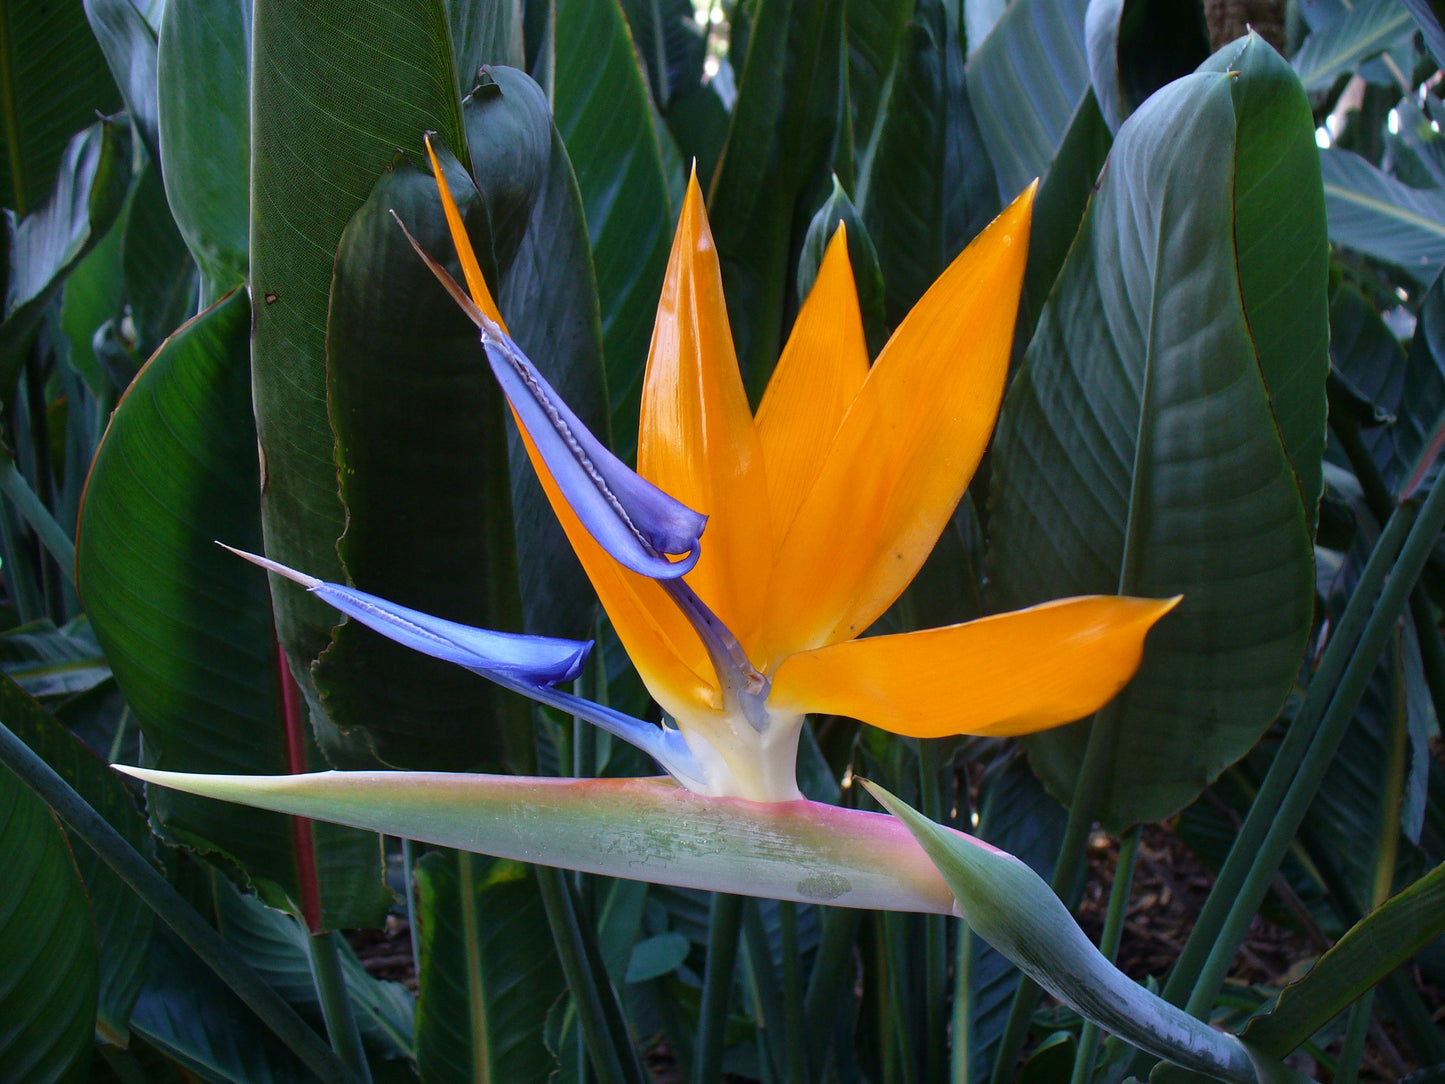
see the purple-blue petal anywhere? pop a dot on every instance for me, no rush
(633, 520)
(532, 660)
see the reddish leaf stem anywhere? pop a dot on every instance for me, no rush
(302, 834)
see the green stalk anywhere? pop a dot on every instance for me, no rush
(724, 920)
(24, 591)
(767, 997)
(960, 1069)
(325, 957)
(1282, 826)
(831, 967)
(1287, 759)
(1347, 1069)
(603, 1029)
(172, 909)
(795, 1049)
(900, 1037)
(935, 932)
(1109, 944)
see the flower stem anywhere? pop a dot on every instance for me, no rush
(325, 959)
(717, 985)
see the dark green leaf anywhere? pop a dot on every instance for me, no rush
(838, 210)
(875, 32)
(311, 169)
(160, 279)
(188, 1014)
(1426, 14)
(669, 44)
(203, 72)
(1373, 213)
(654, 957)
(274, 943)
(776, 167)
(129, 45)
(485, 34)
(1163, 436)
(55, 81)
(1373, 947)
(123, 923)
(1136, 46)
(185, 625)
(927, 187)
(421, 444)
(606, 121)
(47, 661)
(488, 971)
(1025, 82)
(48, 983)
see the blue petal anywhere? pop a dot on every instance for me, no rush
(529, 660)
(633, 520)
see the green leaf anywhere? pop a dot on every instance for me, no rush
(1376, 945)
(926, 188)
(120, 919)
(1373, 213)
(1359, 32)
(160, 279)
(605, 118)
(54, 82)
(547, 293)
(1164, 434)
(129, 45)
(485, 34)
(1010, 906)
(46, 244)
(1025, 82)
(777, 163)
(186, 627)
(311, 169)
(876, 30)
(838, 210)
(203, 74)
(645, 829)
(488, 971)
(274, 943)
(188, 1014)
(654, 957)
(48, 983)
(421, 445)
(47, 661)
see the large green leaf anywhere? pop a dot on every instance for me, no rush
(488, 971)
(548, 295)
(1164, 434)
(489, 33)
(1373, 947)
(329, 106)
(1137, 46)
(1356, 34)
(605, 119)
(875, 30)
(55, 80)
(1373, 213)
(203, 73)
(927, 186)
(775, 170)
(1025, 82)
(186, 627)
(421, 443)
(122, 922)
(48, 983)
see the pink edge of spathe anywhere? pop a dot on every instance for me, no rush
(645, 829)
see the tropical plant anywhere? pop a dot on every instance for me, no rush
(1197, 284)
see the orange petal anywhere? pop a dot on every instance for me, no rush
(820, 372)
(696, 439)
(1013, 673)
(905, 451)
(476, 284)
(658, 638)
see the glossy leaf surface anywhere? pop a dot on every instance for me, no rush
(187, 626)
(1164, 435)
(307, 60)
